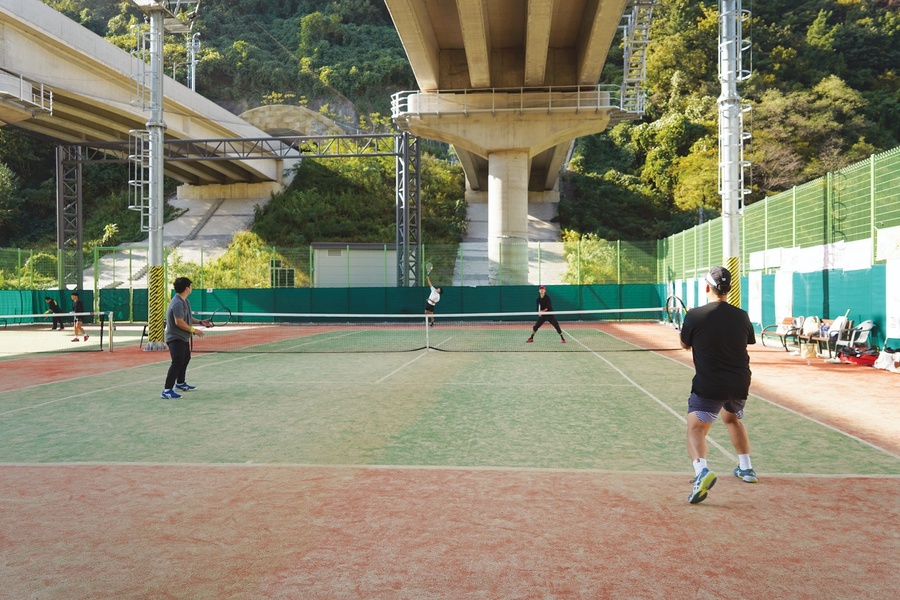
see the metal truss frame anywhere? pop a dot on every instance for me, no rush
(402, 146)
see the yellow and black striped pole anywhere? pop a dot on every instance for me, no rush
(733, 264)
(156, 308)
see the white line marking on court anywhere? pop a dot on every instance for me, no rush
(403, 366)
(325, 339)
(468, 468)
(790, 410)
(827, 426)
(711, 441)
(94, 390)
(442, 343)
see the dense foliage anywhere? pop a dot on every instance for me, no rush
(824, 93)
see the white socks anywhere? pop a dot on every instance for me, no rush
(699, 465)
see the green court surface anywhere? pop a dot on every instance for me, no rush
(610, 410)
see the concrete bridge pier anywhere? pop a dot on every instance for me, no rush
(508, 217)
(505, 131)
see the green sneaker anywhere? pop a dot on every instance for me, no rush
(748, 475)
(702, 484)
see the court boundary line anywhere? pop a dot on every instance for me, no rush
(796, 412)
(385, 467)
(709, 439)
(73, 396)
(771, 402)
(227, 357)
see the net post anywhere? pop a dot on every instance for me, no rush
(112, 327)
(427, 334)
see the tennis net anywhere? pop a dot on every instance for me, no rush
(481, 332)
(52, 332)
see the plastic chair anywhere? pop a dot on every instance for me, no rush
(858, 337)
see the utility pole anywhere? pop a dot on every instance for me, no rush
(731, 138)
(172, 16)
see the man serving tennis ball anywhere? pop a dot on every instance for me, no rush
(433, 299)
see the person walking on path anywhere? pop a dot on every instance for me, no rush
(433, 299)
(78, 323)
(53, 307)
(544, 306)
(718, 335)
(179, 328)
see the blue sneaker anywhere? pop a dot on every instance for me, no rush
(185, 387)
(170, 395)
(702, 484)
(748, 475)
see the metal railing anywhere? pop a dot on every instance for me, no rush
(549, 99)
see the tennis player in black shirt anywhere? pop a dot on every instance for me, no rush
(718, 334)
(544, 306)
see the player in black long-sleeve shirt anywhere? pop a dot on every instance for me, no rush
(544, 306)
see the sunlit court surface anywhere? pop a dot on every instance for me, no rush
(500, 470)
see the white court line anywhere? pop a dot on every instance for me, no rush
(109, 388)
(403, 366)
(369, 467)
(790, 410)
(710, 440)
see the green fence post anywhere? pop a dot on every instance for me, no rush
(619, 262)
(793, 217)
(873, 231)
(97, 278)
(578, 261)
(500, 266)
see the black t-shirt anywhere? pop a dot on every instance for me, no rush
(544, 303)
(718, 334)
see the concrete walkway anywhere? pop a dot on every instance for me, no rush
(202, 233)
(546, 263)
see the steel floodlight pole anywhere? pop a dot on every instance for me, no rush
(730, 139)
(157, 11)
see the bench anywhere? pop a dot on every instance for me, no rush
(816, 337)
(790, 328)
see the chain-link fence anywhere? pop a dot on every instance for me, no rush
(855, 204)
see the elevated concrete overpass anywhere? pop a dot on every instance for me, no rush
(511, 84)
(96, 99)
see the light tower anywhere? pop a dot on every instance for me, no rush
(731, 137)
(174, 16)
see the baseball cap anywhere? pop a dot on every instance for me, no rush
(543, 287)
(719, 279)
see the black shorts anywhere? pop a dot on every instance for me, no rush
(429, 308)
(699, 404)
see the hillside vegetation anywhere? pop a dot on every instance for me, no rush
(824, 93)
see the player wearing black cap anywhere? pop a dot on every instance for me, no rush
(544, 306)
(718, 334)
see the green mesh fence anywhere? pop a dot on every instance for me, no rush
(849, 205)
(853, 204)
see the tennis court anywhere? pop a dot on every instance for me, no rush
(547, 471)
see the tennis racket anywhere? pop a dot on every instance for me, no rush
(428, 268)
(221, 316)
(675, 311)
